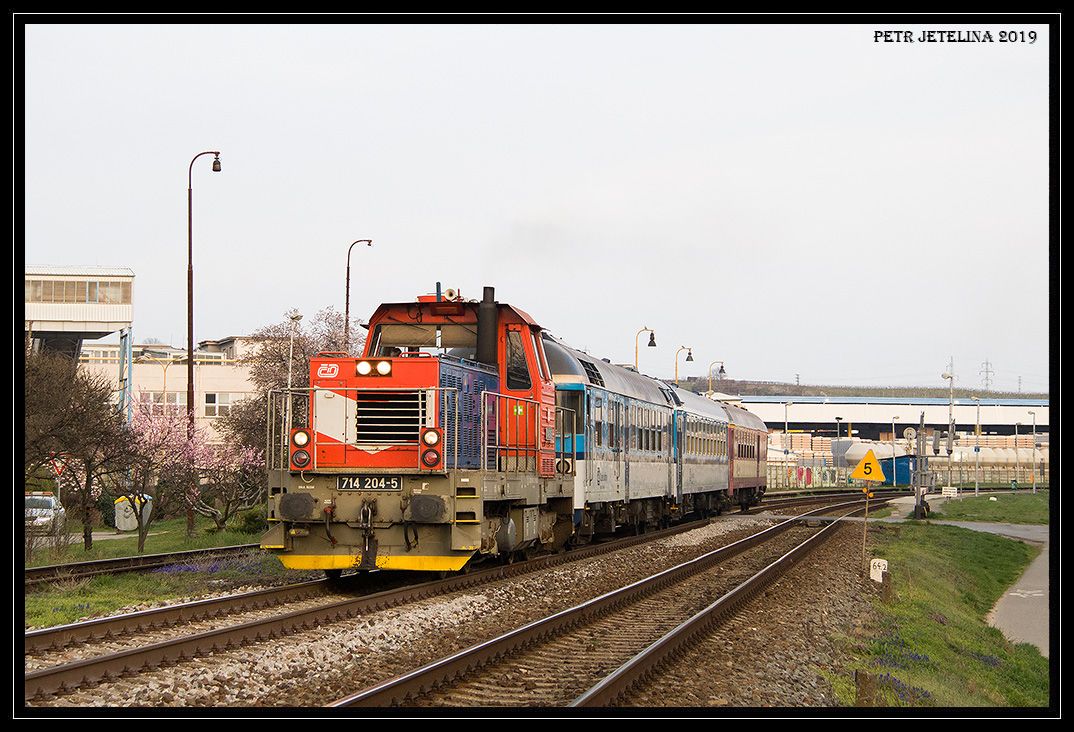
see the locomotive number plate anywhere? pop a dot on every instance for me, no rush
(369, 483)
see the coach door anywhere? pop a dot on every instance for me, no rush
(678, 421)
(732, 460)
(616, 439)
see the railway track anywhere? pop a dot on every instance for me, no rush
(617, 687)
(528, 666)
(241, 619)
(94, 668)
(141, 563)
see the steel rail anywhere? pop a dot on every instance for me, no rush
(61, 636)
(400, 689)
(623, 680)
(73, 570)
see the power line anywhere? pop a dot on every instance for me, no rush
(987, 370)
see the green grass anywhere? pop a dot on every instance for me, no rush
(931, 645)
(67, 601)
(170, 537)
(890, 510)
(1013, 508)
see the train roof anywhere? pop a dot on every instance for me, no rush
(570, 366)
(740, 417)
(703, 406)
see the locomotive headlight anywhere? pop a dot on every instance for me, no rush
(384, 367)
(431, 437)
(301, 438)
(301, 458)
(364, 367)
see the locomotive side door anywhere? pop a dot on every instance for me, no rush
(527, 412)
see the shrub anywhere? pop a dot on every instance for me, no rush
(106, 507)
(252, 521)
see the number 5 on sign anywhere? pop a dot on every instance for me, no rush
(868, 469)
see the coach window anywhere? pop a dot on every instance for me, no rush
(598, 422)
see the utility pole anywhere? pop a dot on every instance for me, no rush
(921, 473)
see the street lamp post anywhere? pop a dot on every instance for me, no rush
(190, 318)
(786, 429)
(164, 363)
(652, 344)
(950, 422)
(1033, 464)
(837, 421)
(689, 357)
(347, 297)
(295, 317)
(977, 450)
(894, 480)
(719, 374)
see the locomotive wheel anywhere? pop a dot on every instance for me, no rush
(333, 574)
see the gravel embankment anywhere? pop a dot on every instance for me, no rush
(772, 652)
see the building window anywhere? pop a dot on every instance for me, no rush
(217, 405)
(157, 403)
(78, 291)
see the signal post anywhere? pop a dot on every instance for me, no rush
(868, 469)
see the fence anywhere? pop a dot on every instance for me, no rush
(805, 474)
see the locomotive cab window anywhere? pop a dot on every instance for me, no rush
(518, 372)
(455, 339)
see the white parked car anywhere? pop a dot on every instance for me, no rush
(44, 513)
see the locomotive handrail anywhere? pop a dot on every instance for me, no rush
(561, 440)
(495, 448)
(272, 459)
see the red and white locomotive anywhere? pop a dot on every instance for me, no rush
(465, 429)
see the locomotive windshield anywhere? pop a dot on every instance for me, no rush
(454, 339)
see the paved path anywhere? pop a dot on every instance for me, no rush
(1022, 613)
(106, 535)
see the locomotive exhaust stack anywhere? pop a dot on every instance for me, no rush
(486, 327)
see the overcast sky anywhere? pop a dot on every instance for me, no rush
(786, 199)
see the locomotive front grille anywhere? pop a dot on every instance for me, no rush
(389, 417)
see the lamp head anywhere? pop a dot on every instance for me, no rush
(652, 339)
(721, 373)
(690, 355)
(216, 163)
